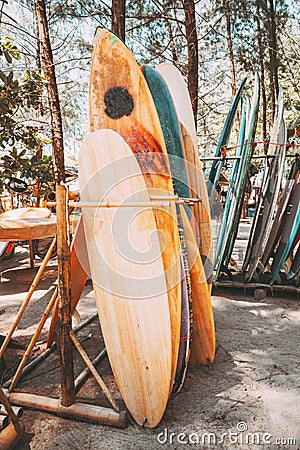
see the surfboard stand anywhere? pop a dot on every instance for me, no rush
(66, 406)
(259, 290)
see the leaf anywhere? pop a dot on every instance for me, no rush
(3, 77)
(7, 56)
(10, 77)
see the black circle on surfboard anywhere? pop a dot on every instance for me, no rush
(118, 103)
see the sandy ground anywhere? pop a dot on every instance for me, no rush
(249, 399)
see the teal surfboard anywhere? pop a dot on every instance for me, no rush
(171, 131)
(230, 197)
(235, 213)
(295, 267)
(216, 167)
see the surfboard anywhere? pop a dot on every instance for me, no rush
(235, 213)
(295, 267)
(281, 213)
(290, 231)
(128, 274)
(216, 166)
(230, 197)
(203, 332)
(120, 100)
(169, 123)
(184, 346)
(201, 211)
(263, 219)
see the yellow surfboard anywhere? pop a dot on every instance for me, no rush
(203, 335)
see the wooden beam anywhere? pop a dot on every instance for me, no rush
(64, 298)
(78, 411)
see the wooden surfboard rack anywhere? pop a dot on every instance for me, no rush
(75, 410)
(11, 428)
(66, 406)
(156, 201)
(260, 290)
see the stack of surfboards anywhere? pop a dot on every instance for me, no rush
(273, 243)
(150, 257)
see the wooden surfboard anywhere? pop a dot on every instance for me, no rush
(203, 334)
(120, 99)
(128, 274)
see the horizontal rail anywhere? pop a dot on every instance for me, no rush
(224, 158)
(153, 203)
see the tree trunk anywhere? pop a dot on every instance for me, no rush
(63, 253)
(262, 72)
(193, 57)
(230, 47)
(274, 84)
(39, 153)
(118, 18)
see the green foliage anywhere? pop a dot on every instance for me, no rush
(21, 98)
(31, 168)
(16, 96)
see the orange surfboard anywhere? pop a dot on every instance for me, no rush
(203, 336)
(79, 274)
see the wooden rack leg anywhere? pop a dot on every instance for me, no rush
(28, 297)
(64, 298)
(31, 254)
(94, 372)
(13, 433)
(43, 356)
(33, 341)
(85, 373)
(79, 411)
